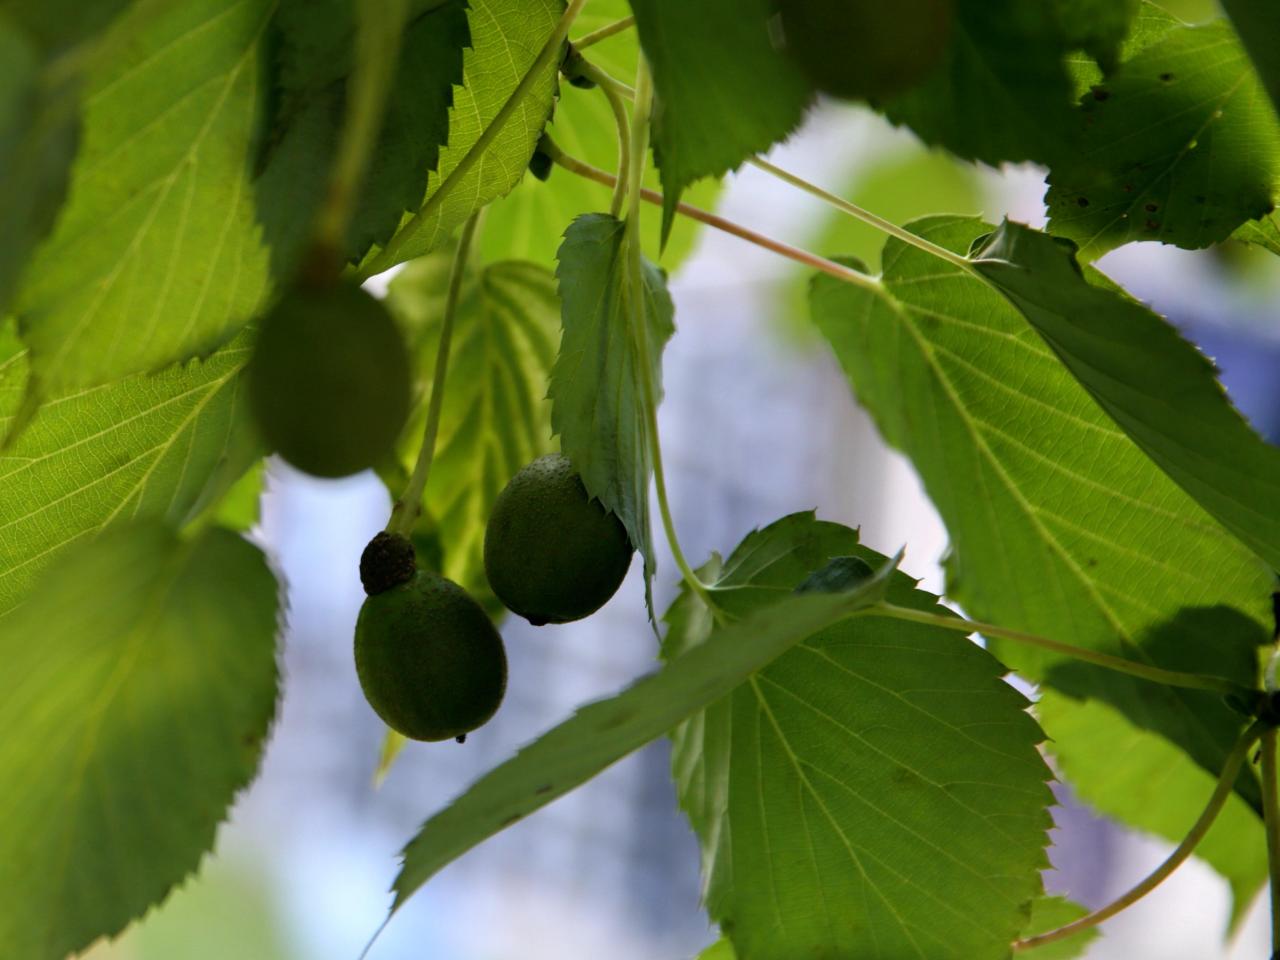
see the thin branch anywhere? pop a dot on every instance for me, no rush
(604, 33)
(1271, 814)
(837, 270)
(618, 105)
(406, 510)
(551, 49)
(1221, 792)
(1170, 678)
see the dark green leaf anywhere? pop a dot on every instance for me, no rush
(495, 417)
(139, 682)
(876, 790)
(1002, 94)
(56, 25)
(142, 447)
(506, 36)
(1158, 387)
(1059, 524)
(1180, 145)
(1099, 27)
(602, 733)
(724, 91)
(597, 386)
(1258, 25)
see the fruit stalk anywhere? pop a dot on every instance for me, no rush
(405, 512)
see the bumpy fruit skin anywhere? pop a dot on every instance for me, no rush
(430, 661)
(551, 553)
(329, 382)
(866, 49)
(387, 561)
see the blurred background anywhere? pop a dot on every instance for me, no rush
(757, 422)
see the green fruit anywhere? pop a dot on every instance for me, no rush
(551, 552)
(430, 661)
(329, 381)
(866, 49)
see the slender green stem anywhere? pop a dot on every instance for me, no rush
(1171, 678)
(639, 145)
(618, 105)
(837, 270)
(866, 216)
(1271, 814)
(366, 104)
(604, 33)
(405, 512)
(1221, 792)
(551, 49)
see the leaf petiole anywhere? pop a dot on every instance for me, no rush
(1271, 817)
(618, 105)
(604, 33)
(1221, 792)
(1171, 678)
(406, 510)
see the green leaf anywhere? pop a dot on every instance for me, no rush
(724, 91)
(527, 225)
(1059, 524)
(1002, 93)
(597, 386)
(140, 679)
(1158, 387)
(142, 447)
(720, 950)
(874, 791)
(495, 416)
(157, 255)
(506, 36)
(1128, 775)
(315, 59)
(1180, 145)
(1050, 913)
(57, 25)
(240, 508)
(38, 127)
(1099, 27)
(601, 733)
(1257, 23)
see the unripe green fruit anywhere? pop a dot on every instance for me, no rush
(430, 661)
(551, 553)
(866, 49)
(329, 381)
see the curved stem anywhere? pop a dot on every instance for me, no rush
(551, 49)
(866, 216)
(618, 105)
(837, 270)
(406, 510)
(1226, 783)
(1170, 678)
(635, 175)
(1271, 814)
(366, 104)
(604, 33)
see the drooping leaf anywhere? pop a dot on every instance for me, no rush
(1127, 774)
(527, 224)
(876, 790)
(157, 255)
(1059, 524)
(138, 448)
(597, 386)
(724, 90)
(38, 127)
(495, 417)
(506, 37)
(315, 61)
(1002, 94)
(1158, 387)
(1257, 23)
(1180, 145)
(139, 683)
(1050, 913)
(601, 733)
